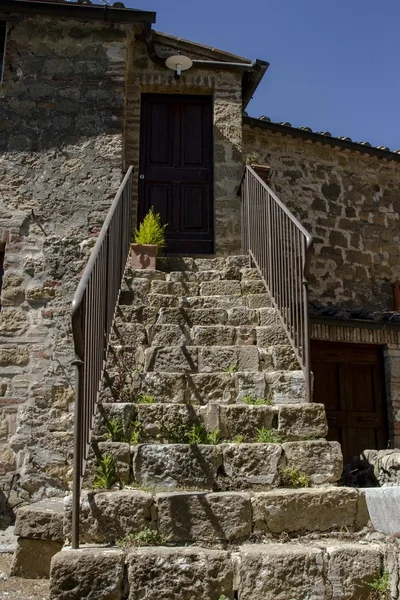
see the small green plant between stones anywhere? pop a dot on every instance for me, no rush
(253, 400)
(115, 430)
(198, 434)
(230, 369)
(292, 477)
(146, 399)
(223, 597)
(136, 433)
(380, 587)
(106, 472)
(147, 537)
(238, 439)
(266, 436)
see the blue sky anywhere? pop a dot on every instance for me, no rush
(334, 63)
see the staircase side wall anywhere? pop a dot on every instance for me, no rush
(61, 117)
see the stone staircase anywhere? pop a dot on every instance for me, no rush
(222, 485)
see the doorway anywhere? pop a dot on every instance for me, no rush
(176, 169)
(349, 380)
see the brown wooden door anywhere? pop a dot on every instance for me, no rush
(176, 169)
(348, 379)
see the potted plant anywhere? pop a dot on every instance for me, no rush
(149, 238)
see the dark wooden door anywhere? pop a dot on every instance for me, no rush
(348, 379)
(176, 169)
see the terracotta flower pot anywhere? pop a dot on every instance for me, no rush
(143, 256)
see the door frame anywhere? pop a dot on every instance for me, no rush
(211, 243)
(376, 348)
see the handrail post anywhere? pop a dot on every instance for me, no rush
(79, 374)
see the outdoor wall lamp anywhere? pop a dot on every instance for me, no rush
(178, 63)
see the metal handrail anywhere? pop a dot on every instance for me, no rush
(93, 311)
(280, 247)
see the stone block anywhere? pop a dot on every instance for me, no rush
(218, 288)
(350, 566)
(175, 263)
(211, 387)
(176, 359)
(106, 517)
(167, 422)
(242, 315)
(164, 387)
(213, 335)
(168, 335)
(41, 520)
(322, 461)
(258, 301)
(219, 358)
(182, 276)
(250, 274)
(90, 573)
(252, 286)
(203, 517)
(269, 316)
(245, 335)
(286, 387)
(176, 288)
(162, 300)
(244, 420)
(176, 465)
(14, 356)
(149, 274)
(251, 465)
(32, 558)
(210, 275)
(184, 573)
(210, 264)
(191, 317)
(270, 335)
(302, 421)
(284, 358)
(306, 510)
(225, 302)
(252, 384)
(282, 572)
(240, 261)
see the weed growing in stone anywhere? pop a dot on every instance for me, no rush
(292, 477)
(253, 400)
(230, 369)
(106, 472)
(115, 430)
(136, 432)
(223, 597)
(380, 587)
(198, 434)
(238, 439)
(266, 436)
(147, 537)
(146, 399)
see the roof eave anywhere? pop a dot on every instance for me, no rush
(322, 139)
(80, 11)
(251, 80)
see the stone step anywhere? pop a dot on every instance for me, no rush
(234, 466)
(227, 387)
(174, 423)
(320, 570)
(181, 263)
(215, 335)
(156, 301)
(193, 517)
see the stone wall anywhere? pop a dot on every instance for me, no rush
(350, 203)
(225, 86)
(61, 144)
